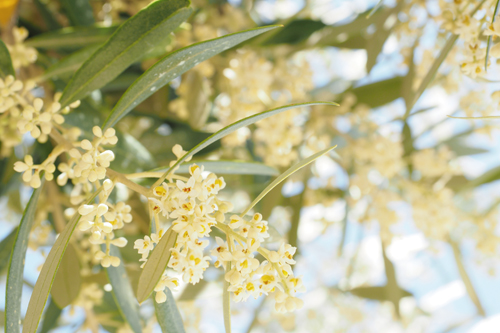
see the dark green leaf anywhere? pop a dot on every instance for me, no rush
(295, 32)
(50, 318)
(47, 16)
(79, 12)
(371, 95)
(6, 67)
(6, 249)
(16, 266)
(173, 65)
(69, 38)
(70, 64)
(128, 44)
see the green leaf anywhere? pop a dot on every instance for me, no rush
(460, 147)
(487, 177)
(68, 280)
(131, 155)
(226, 302)
(6, 67)
(168, 315)
(173, 65)
(488, 44)
(51, 316)
(79, 12)
(47, 16)
(16, 265)
(128, 44)
(235, 126)
(295, 32)
(122, 292)
(69, 64)
(229, 168)
(465, 278)
(156, 265)
(285, 175)
(375, 293)
(6, 249)
(68, 38)
(370, 94)
(47, 275)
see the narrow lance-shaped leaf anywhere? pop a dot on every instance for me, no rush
(79, 12)
(156, 265)
(173, 65)
(228, 168)
(132, 39)
(168, 315)
(47, 275)
(6, 67)
(465, 278)
(226, 302)
(233, 127)
(16, 266)
(50, 318)
(71, 37)
(285, 175)
(68, 280)
(488, 44)
(6, 249)
(122, 292)
(68, 65)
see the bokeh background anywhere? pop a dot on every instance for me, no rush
(397, 231)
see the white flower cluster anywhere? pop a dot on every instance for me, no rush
(249, 277)
(21, 54)
(194, 208)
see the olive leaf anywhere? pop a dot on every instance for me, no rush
(128, 44)
(285, 175)
(68, 280)
(122, 291)
(173, 65)
(73, 37)
(227, 168)
(6, 67)
(49, 270)
(233, 127)
(16, 265)
(155, 266)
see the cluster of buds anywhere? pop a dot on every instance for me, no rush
(194, 208)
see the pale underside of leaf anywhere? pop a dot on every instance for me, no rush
(172, 66)
(155, 266)
(226, 302)
(285, 175)
(130, 41)
(15, 272)
(233, 127)
(68, 280)
(122, 292)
